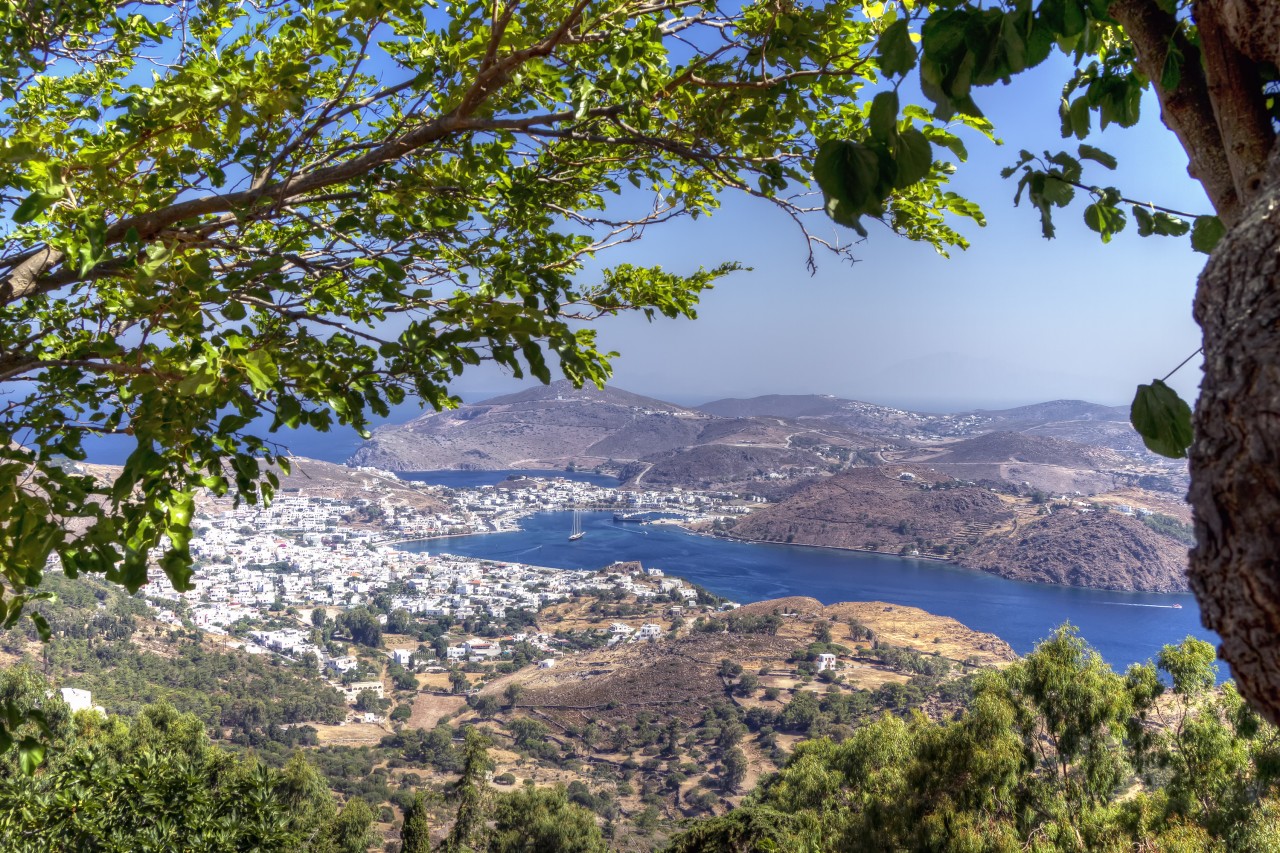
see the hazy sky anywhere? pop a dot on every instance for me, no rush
(1015, 319)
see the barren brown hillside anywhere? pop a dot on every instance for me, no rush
(1103, 550)
(679, 677)
(873, 508)
(1042, 450)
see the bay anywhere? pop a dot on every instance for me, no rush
(1125, 627)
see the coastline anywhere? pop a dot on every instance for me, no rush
(683, 525)
(931, 557)
(944, 560)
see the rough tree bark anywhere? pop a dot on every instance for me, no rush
(1235, 461)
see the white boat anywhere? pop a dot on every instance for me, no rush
(577, 527)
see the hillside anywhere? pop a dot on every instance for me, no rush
(1034, 449)
(556, 425)
(543, 426)
(319, 479)
(1102, 550)
(315, 478)
(1044, 463)
(766, 445)
(713, 466)
(872, 508)
(688, 723)
(1071, 420)
(775, 406)
(679, 677)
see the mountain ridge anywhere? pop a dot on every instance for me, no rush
(557, 425)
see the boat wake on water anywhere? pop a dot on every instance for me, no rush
(1131, 604)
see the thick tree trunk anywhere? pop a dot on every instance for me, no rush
(1235, 461)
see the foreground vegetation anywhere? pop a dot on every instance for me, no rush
(1056, 753)
(1053, 753)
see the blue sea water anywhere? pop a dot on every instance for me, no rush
(1124, 627)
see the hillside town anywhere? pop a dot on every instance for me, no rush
(334, 553)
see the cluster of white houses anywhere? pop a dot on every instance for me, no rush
(302, 552)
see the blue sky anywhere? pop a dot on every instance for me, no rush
(1015, 319)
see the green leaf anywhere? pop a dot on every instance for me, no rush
(896, 53)
(1097, 155)
(260, 370)
(1159, 223)
(1169, 225)
(914, 156)
(1106, 219)
(30, 754)
(1055, 191)
(37, 203)
(1163, 419)
(1206, 231)
(1146, 223)
(848, 174)
(1171, 73)
(882, 120)
(1078, 120)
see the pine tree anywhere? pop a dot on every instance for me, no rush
(468, 826)
(415, 835)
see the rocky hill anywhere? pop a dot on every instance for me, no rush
(877, 509)
(1060, 446)
(1072, 420)
(318, 479)
(1102, 550)
(681, 676)
(776, 406)
(714, 466)
(1048, 464)
(1021, 447)
(556, 425)
(315, 478)
(1007, 535)
(543, 426)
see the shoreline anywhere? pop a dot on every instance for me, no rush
(930, 557)
(944, 560)
(682, 526)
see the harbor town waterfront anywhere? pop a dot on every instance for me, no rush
(1125, 627)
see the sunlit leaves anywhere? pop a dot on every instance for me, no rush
(1105, 218)
(36, 203)
(263, 232)
(1158, 222)
(1097, 155)
(1163, 419)
(876, 175)
(1206, 231)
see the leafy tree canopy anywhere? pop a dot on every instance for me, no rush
(153, 783)
(228, 220)
(1055, 753)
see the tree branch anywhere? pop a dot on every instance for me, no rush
(1186, 108)
(1235, 91)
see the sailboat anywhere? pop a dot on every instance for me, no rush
(577, 527)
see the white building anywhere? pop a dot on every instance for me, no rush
(353, 690)
(80, 700)
(826, 661)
